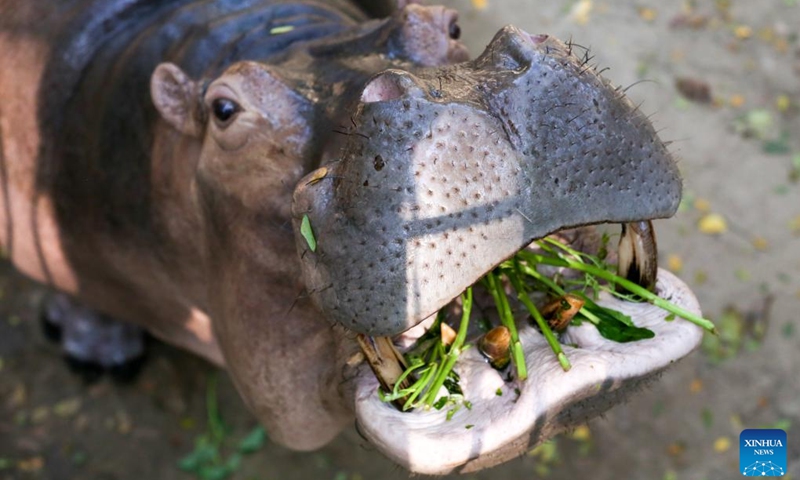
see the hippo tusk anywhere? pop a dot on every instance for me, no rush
(496, 346)
(638, 254)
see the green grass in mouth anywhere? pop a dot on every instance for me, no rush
(431, 363)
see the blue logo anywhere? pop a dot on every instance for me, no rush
(762, 452)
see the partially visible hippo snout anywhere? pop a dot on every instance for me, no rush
(450, 171)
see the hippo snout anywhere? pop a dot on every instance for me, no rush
(451, 170)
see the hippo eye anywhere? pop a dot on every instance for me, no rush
(455, 31)
(224, 110)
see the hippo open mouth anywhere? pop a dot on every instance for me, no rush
(448, 172)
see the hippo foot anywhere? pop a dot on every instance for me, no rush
(93, 343)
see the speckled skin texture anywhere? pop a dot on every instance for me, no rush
(450, 171)
(124, 185)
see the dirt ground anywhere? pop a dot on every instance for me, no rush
(736, 241)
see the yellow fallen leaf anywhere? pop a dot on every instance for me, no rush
(33, 464)
(18, 396)
(580, 12)
(479, 4)
(675, 263)
(743, 32)
(712, 224)
(39, 415)
(736, 422)
(722, 444)
(696, 386)
(794, 224)
(647, 14)
(782, 103)
(767, 34)
(781, 45)
(760, 243)
(675, 449)
(68, 407)
(124, 423)
(700, 277)
(736, 100)
(702, 205)
(582, 433)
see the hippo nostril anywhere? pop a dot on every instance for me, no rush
(537, 39)
(390, 85)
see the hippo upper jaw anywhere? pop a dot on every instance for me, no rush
(453, 170)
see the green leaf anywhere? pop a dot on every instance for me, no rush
(253, 441)
(214, 472)
(708, 418)
(281, 29)
(594, 308)
(234, 462)
(439, 404)
(777, 146)
(308, 234)
(203, 453)
(615, 325)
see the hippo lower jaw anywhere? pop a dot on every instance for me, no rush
(500, 427)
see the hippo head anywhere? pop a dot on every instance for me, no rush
(450, 171)
(442, 173)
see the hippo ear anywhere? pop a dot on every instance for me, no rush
(175, 96)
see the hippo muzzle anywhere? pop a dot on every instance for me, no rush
(452, 170)
(446, 173)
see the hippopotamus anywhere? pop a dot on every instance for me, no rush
(260, 181)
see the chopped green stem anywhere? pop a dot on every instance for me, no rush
(549, 283)
(420, 386)
(507, 319)
(557, 290)
(546, 331)
(404, 376)
(628, 285)
(453, 352)
(578, 256)
(519, 359)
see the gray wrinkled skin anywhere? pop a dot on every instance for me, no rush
(451, 171)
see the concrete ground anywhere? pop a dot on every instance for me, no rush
(736, 241)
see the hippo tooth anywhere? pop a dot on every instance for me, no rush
(638, 254)
(385, 361)
(495, 346)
